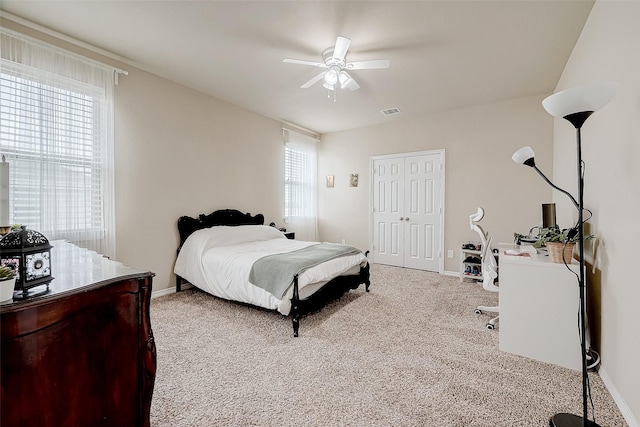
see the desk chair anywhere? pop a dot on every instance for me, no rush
(489, 266)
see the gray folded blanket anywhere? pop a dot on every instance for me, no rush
(275, 273)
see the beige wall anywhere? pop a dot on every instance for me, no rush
(478, 144)
(180, 152)
(608, 50)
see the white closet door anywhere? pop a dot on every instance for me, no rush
(388, 206)
(422, 212)
(407, 210)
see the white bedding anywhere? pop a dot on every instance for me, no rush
(218, 261)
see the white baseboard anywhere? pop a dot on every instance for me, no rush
(451, 273)
(622, 405)
(163, 292)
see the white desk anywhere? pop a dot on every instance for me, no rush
(539, 309)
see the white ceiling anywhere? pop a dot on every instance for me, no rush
(444, 54)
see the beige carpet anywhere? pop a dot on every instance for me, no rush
(409, 353)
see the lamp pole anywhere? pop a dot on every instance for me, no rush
(568, 420)
(583, 284)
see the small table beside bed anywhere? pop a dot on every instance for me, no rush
(233, 255)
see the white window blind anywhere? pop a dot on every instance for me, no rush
(294, 195)
(56, 130)
(300, 181)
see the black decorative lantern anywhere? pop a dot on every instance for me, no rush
(29, 252)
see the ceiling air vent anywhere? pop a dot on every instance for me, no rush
(391, 111)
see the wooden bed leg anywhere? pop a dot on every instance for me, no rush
(364, 272)
(296, 324)
(178, 283)
(295, 309)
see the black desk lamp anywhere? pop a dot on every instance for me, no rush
(574, 105)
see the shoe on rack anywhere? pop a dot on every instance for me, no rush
(467, 270)
(475, 271)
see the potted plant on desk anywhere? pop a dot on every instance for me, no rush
(559, 243)
(7, 283)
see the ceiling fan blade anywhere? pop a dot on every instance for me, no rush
(340, 50)
(314, 80)
(301, 62)
(368, 65)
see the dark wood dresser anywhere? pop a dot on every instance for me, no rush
(83, 354)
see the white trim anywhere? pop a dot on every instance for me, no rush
(163, 292)
(299, 130)
(451, 273)
(618, 399)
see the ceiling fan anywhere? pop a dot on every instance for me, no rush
(337, 66)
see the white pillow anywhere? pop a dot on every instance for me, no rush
(224, 235)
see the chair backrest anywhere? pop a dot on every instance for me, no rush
(489, 268)
(487, 255)
(489, 264)
(474, 219)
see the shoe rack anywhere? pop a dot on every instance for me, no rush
(470, 262)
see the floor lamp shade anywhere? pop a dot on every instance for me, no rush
(580, 99)
(524, 155)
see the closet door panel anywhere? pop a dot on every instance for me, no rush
(422, 213)
(388, 207)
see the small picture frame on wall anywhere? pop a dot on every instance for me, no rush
(329, 181)
(353, 180)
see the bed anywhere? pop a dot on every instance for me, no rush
(233, 255)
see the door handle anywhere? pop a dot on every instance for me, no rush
(401, 218)
(406, 219)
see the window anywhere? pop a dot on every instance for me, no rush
(56, 130)
(294, 194)
(300, 185)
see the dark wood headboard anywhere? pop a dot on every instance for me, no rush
(233, 217)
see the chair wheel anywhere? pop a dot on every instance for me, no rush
(478, 311)
(490, 326)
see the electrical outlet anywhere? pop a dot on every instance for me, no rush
(450, 253)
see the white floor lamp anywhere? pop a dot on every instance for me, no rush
(575, 105)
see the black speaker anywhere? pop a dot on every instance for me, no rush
(549, 215)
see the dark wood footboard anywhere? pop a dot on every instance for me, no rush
(330, 291)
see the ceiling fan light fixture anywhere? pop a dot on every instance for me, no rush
(344, 79)
(331, 76)
(328, 86)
